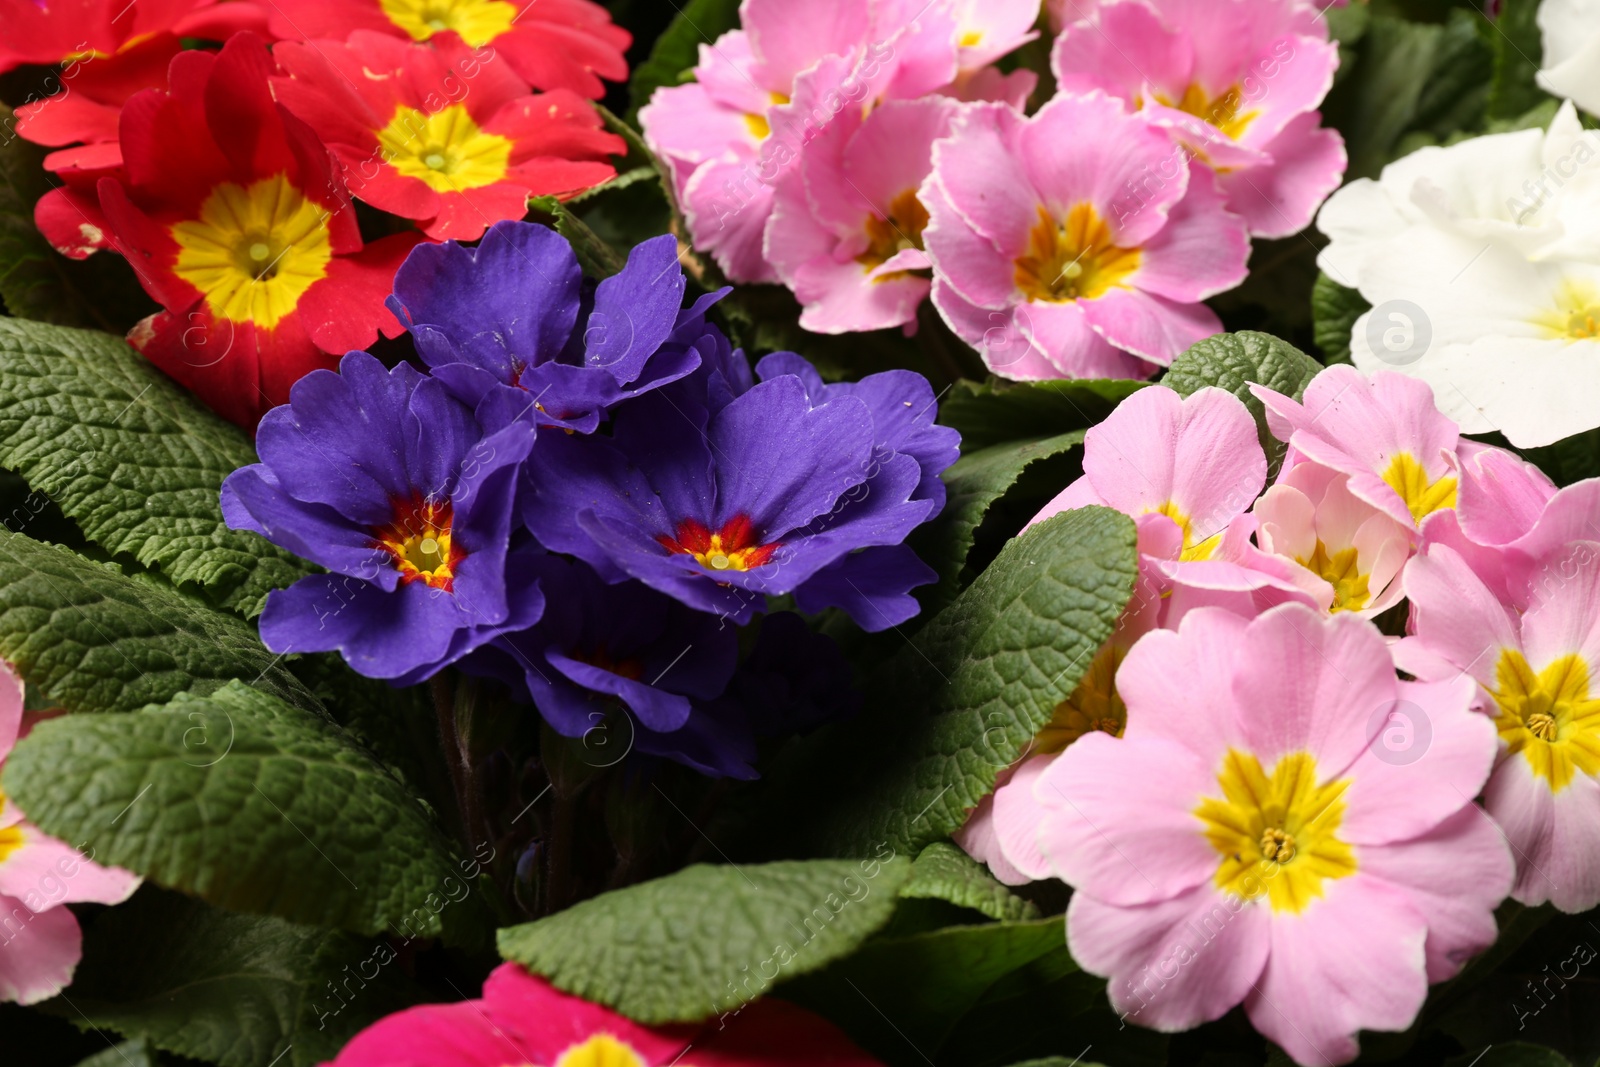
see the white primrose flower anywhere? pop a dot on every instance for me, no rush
(1570, 32)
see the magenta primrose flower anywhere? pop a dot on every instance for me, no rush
(1046, 262)
(1247, 841)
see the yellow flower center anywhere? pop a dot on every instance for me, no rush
(1192, 549)
(477, 22)
(1548, 717)
(888, 236)
(254, 251)
(1584, 324)
(1074, 259)
(759, 128)
(1341, 570)
(601, 1050)
(1422, 498)
(1221, 111)
(446, 150)
(970, 39)
(418, 542)
(10, 837)
(1276, 834)
(1095, 705)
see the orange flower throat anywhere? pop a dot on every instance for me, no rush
(735, 547)
(418, 541)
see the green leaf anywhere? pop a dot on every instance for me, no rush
(234, 990)
(1380, 101)
(1571, 459)
(998, 411)
(1334, 311)
(974, 483)
(1456, 94)
(597, 258)
(1511, 1054)
(1233, 361)
(915, 990)
(944, 872)
(965, 696)
(249, 804)
(131, 1053)
(1513, 37)
(38, 282)
(91, 638)
(133, 458)
(678, 48)
(703, 940)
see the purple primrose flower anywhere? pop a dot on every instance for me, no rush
(388, 481)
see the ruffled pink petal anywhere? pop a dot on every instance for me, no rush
(727, 70)
(787, 38)
(1090, 149)
(1150, 326)
(1456, 874)
(10, 708)
(43, 872)
(1310, 682)
(1353, 960)
(1079, 494)
(1429, 751)
(1280, 199)
(1564, 616)
(1176, 963)
(892, 153)
(38, 951)
(1554, 836)
(1178, 685)
(552, 1021)
(985, 184)
(1018, 817)
(1455, 616)
(1199, 453)
(1122, 845)
(979, 838)
(1068, 339)
(726, 205)
(1203, 249)
(1118, 54)
(1501, 495)
(686, 123)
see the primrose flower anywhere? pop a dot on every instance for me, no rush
(600, 647)
(1247, 840)
(1569, 30)
(38, 875)
(235, 222)
(1348, 554)
(1382, 432)
(514, 315)
(1191, 462)
(1538, 668)
(1236, 82)
(719, 499)
(846, 227)
(522, 1018)
(1530, 189)
(553, 44)
(441, 133)
(762, 93)
(385, 479)
(1051, 251)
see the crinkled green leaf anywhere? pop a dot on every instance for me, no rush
(36, 281)
(702, 940)
(1233, 361)
(1380, 100)
(944, 872)
(91, 638)
(678, 48)
(1513, 37)
(133, 458)
(1334, 311)
(974, 483)
(249, 804)
(915, 990)
(597, 258)
(997, 411)
(962, 700)
(234, 990)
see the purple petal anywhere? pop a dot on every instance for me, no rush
(635, 310)
(872, 586)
